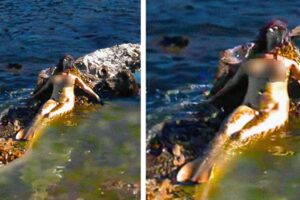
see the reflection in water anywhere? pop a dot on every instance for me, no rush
(89, 154)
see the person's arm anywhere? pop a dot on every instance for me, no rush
(87, 89)
(230, 83)
(43, 88)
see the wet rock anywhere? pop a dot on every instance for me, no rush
(10, 150)
(123, 84)
(173, 44)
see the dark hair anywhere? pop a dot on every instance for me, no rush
(60, 65)
(261, 40)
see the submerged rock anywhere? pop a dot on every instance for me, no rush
(166, 190)
(13, 67)
(173, 44)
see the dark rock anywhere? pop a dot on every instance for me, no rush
(189, 7)
(173, 43)
(13, 67)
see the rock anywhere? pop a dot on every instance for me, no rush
(173, 44)
(108, 62)
(180, 141)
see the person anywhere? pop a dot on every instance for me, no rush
(62, 99)
(265, 106)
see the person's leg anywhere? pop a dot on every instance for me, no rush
(199, 170)
(60, 109)
(44, 110)
(263, 123)
(237, 120)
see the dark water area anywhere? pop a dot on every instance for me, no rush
(176, 82)
(36, 34)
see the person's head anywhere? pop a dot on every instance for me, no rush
(65, 64)
(273, 34)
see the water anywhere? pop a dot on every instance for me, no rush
(92, 153)
(267, 169)
(177, 81)
(37, 33)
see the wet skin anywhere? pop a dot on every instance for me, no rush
(265, 107)
(62, 100)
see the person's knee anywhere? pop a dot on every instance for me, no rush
(229, 130)
(43, 112)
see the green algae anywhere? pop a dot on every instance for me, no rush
(80, 156)
(266, 169)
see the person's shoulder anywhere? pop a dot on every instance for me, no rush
(287, 61)
(74, 77)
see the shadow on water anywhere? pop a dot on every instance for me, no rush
(91, 153)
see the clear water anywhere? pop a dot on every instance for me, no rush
(177, 81)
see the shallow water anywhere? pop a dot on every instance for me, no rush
(267, 169)
(91, 153)
(176, 82)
